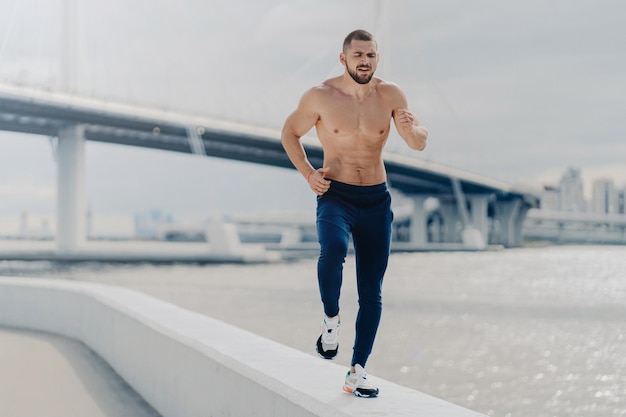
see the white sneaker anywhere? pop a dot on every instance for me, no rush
(327, 345)
(357, 383)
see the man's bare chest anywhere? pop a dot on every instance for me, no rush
(345, 118)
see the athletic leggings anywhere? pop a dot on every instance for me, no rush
(365, 213)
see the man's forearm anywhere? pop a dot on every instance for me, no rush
(416, 139)
(297, 155)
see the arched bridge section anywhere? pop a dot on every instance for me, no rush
(472, 210)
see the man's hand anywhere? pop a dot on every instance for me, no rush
(406, 121)
(317, 182)
(410, 129)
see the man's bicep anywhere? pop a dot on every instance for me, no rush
(398, 100)
(303, 118)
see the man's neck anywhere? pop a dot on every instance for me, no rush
(355, 89)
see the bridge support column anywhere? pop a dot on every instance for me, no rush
(511, 215)
(224, 239)
(471, 236)
(478, 211)
(451, 221)
(417, 231)
(71, 209)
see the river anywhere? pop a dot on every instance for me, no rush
(528, 332)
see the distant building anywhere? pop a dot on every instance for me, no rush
(566, 217)
(621, 201)
(28, 228)
(24, 227)
(604, 197)
(571, 192)
(550, 198)
(148, 224)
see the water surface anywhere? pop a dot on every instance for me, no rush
(532, 332)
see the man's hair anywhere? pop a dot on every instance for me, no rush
(358, 35)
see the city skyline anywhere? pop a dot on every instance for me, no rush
(569, 195)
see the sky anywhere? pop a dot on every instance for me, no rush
(516, 91)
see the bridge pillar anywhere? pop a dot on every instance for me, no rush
(470, 236)
(224, 239)
(471, 228)
(418, 225)
(71, 208)
(511, 215)
(479, 204)
(452, 223)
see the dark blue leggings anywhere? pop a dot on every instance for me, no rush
(365, 213)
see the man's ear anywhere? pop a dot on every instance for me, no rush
(342, 59)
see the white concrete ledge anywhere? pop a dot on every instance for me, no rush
(187, 364)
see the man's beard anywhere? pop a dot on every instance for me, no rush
(361, 80)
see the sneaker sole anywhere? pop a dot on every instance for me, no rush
(329, 354)
(360, 394)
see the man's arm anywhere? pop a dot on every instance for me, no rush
(407, 124)
(297, 125)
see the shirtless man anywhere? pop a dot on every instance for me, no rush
(352, 116)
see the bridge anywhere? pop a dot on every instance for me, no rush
(472, 211)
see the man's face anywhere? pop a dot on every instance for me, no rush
(361, 59)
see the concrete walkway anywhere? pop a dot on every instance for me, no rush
(48, 376)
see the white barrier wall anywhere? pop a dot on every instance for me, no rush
(185, 364)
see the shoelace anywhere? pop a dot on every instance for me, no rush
(362, 381)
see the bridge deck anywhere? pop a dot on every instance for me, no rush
(44, 113)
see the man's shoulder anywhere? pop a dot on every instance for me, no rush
(328, 86)
(387, 86)
(325, 89)
(390, 92)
